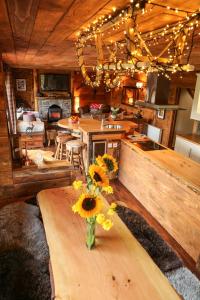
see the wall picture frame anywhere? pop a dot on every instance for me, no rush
(21, 85)
(161, 114)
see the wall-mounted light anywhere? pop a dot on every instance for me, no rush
(139, 85)
(76, 104)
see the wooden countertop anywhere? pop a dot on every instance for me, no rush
(175, 164)
(194, 138)
(118, 268)
(91, 125)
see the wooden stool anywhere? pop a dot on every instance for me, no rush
(75, 154)
(51, 136)
(61, 142)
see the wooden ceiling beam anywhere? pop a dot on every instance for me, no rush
(37, 33)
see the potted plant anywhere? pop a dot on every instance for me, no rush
(114, 112)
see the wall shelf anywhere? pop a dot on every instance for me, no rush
(157, 106)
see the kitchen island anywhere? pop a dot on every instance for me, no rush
(168, 185)
(99, 138)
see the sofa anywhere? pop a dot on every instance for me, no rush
(94, 110)
(29, 120)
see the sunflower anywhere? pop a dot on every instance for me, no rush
(110, 163)
(107, 189)
(100, 218)
(88, 205)
(100, 162)
(98, 176)
(77, 184)
(107, 224)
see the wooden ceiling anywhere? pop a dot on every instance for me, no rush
(42, 33)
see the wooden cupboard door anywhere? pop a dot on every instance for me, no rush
(195, 152)
(182, 146)
(188, 149)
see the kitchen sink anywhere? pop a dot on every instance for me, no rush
(113, 126)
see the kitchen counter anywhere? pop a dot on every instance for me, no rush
(191, 137)
(94, 126)
(167, 184)
(173, 163)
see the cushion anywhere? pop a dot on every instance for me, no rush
(29, 117)
(95, 106)
(95, 111)
(105, 108)
(84, 109)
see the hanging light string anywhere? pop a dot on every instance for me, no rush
(140, 43)
(191, 47)
(177, 10)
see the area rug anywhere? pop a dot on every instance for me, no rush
(183, 280)
(24, 257)
(185, 283)
(160, 252)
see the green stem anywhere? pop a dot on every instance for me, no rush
(90, 239)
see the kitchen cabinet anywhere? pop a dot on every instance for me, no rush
(187, 148)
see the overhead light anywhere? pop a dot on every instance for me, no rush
(139, 85)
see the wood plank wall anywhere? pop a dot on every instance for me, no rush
(87, 94)
(28, 95)
(78, 88)
(5, 151)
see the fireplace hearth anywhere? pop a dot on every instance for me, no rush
(54, 113)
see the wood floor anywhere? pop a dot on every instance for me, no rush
(123, 196)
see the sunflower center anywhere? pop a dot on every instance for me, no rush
(88, 204)
(97, 177)
(109, 164)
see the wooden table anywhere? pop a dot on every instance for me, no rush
(118, 268)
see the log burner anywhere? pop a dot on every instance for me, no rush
(54, 113)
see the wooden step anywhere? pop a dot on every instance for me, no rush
(35, 174)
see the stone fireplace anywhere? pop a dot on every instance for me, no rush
(45, 103)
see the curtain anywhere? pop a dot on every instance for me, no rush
(11, 102)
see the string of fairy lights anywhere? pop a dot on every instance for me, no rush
(162, 50)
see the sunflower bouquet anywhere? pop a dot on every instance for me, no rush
(89, 204)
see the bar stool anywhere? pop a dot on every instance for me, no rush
(61, 141)
(75, 154)
(51, 136)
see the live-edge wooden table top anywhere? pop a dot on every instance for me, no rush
(118, 268)
(91, 125)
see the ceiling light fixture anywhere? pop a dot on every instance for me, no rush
(138, 53)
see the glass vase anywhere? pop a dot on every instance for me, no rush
(90, 238)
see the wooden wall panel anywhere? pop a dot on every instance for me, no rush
(87, 94)
(28, 95)
(172, 202)
(5, 151)
(78, 88)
